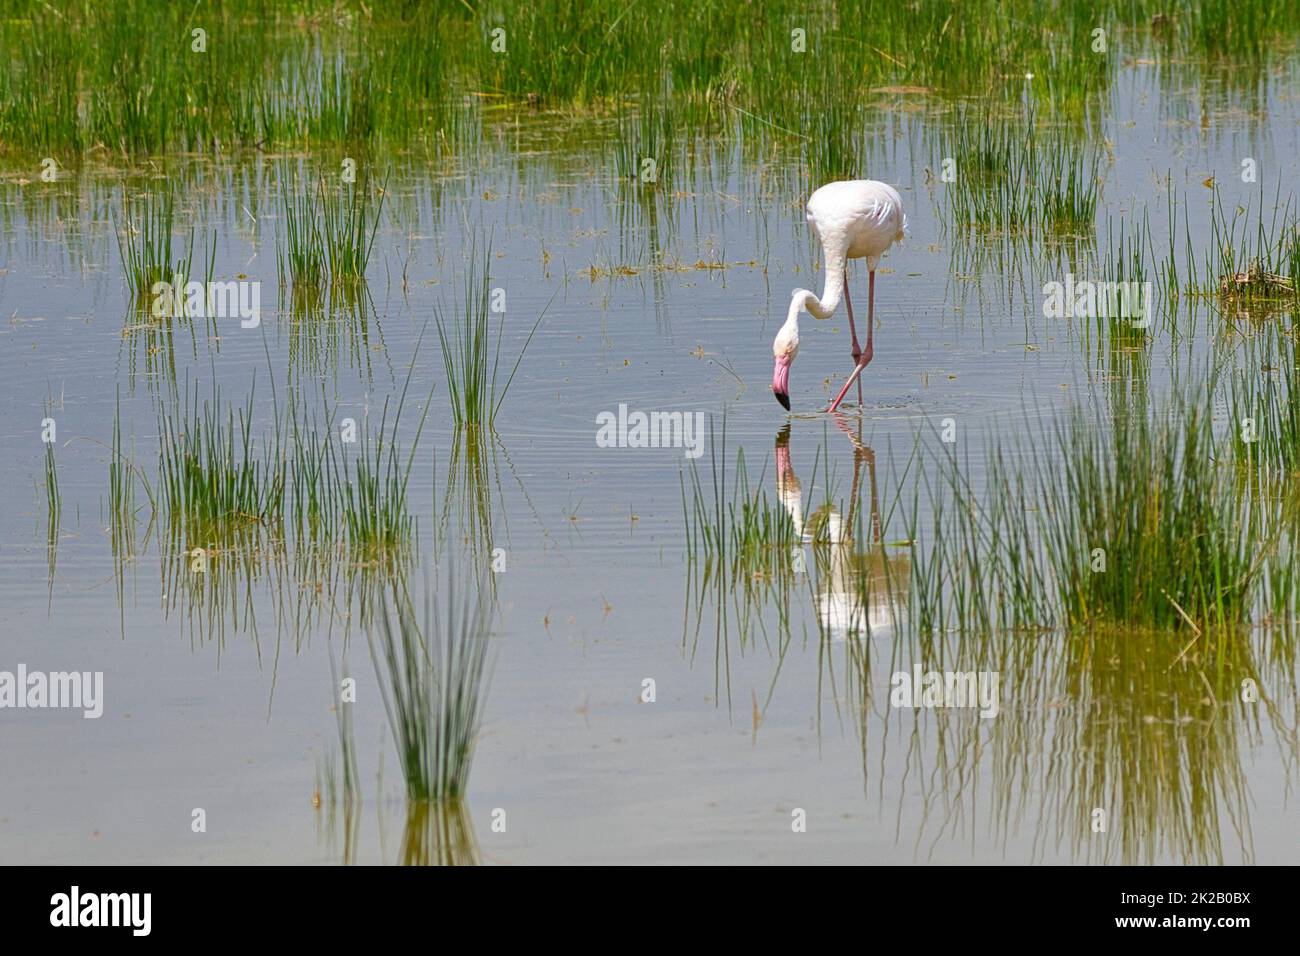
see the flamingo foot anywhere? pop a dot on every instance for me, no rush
(863, 361)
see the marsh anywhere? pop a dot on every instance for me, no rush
(378, 577)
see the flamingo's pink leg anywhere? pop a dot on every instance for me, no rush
(853, 331)
(865, 359)
(857, 349)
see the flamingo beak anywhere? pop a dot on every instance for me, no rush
(781, 381)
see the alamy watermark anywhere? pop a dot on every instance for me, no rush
(235, 299)
(651, 430)
(1086, 299)
(75, 908)
(82, 690)
(946, 689)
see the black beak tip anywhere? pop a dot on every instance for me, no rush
(784, 399)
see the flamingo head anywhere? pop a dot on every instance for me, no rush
(781, 380)
(784, 349)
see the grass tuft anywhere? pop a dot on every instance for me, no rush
(145, 246)
(328, 235)
(471, 353)
(433, 681)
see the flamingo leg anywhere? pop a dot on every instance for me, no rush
(865, 359)
(853, 331)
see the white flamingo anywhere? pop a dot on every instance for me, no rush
(854, 219)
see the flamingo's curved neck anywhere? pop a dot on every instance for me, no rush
(834, 287)
(832, 291)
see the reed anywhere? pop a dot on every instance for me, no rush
(213, 475)
(1152, 501)
(433, 682)
(399, 76)
(1263, 404)
(359, 498)
(145, 247)
(328, 235)
(1126, 263)
(471, 349)
(735, 534)
(1249, 264)
(1010, 178)
(1134, 522)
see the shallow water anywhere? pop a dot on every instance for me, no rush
(221, 713)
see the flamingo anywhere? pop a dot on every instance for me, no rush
(854, 219)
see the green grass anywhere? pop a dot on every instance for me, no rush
(433, 682)
(145, 244)
(743, 553)
(735, 534)
(53, 508)
(213, 473)
(253, 495)
(323, 73)
(471, 348)
(1263, 401)
(359, 497)
(328, 234)
(300, 252)
(1249, 263)
(373, 494)
(309, 505)
(1254, 263)
(1126, 260)
(1132, 521)
(1179, 547)
(1013, 179)
(219, 472)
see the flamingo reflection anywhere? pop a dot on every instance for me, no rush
(859, 592)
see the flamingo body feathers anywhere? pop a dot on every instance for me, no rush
(856, 219)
